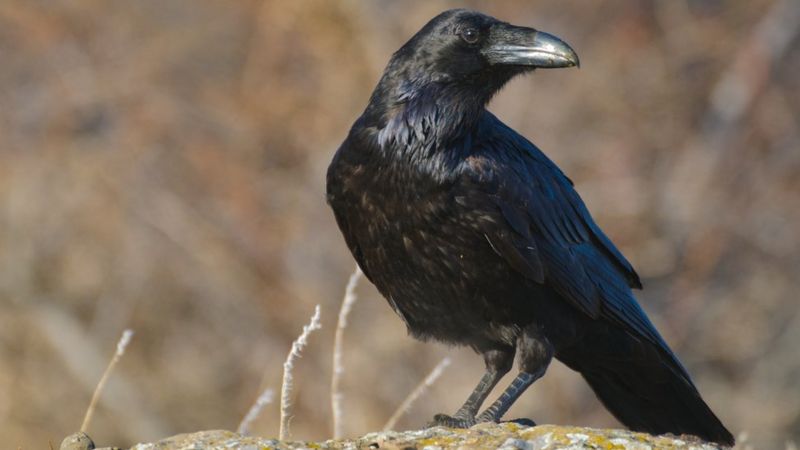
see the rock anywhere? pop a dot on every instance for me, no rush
(81, 441)
(77, 441)
(505, 436)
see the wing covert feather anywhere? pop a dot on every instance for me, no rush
(549, 235)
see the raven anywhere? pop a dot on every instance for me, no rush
(476, 238)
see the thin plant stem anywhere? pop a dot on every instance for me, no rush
(416, 393)
(288, 367)
(121, 345)
(337, 408)
(263, 400)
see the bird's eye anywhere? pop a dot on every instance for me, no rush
(470, 35)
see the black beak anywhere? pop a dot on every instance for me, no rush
(522, 46)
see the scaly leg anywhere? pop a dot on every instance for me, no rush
(535, 355)
(498, 363)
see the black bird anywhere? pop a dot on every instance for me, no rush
(476, 238)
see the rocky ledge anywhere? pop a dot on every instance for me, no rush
(505, 436)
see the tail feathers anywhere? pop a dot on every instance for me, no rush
(668, 408)
(644, 387)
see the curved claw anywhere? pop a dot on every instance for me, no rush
(525, 422)
(443, 420)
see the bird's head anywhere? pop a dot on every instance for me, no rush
(437, 85)
(477, 52)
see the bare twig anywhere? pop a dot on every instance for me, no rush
(338, 366)
(121, 345)
(414, 395)
(263, 400)
(81, 361)
(288, 366)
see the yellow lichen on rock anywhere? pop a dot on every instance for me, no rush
(504, 436)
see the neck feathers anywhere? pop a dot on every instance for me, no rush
(424, 119)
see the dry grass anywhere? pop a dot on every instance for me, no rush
(337, 371)
(124, 340)
(288, 373)
(162, 168)
(252, 414)
(414, 395)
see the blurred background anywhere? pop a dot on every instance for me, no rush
(162, 168)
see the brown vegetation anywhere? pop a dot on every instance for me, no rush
(162, 169)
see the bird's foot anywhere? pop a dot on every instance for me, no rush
(443, 420)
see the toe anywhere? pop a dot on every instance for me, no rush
(443, 420)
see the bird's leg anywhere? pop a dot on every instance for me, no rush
(536, 352)
(498, 363)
